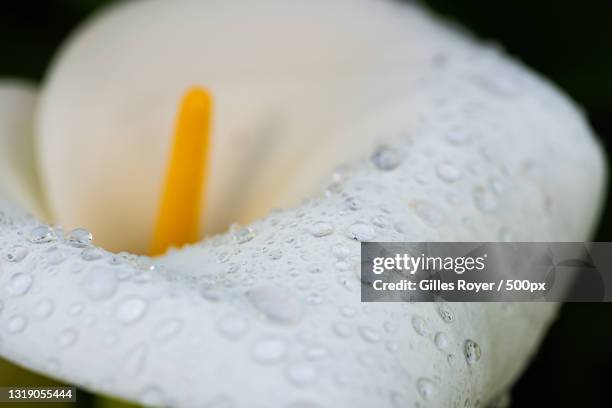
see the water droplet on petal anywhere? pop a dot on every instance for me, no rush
(16, 324)
(340, 251)
(100, 283)
(68, 338)
(446, 313)
(269, 350)
(369, 335)
(232, 327)
(353, 204)
(19, 284)
(244, 235)
(321, 229)
(360, 231)
(80, 238)
(43, 309)
(131, 310)
(301, 374)
(385, 158)
(347, 311)
(391, 346)
(420, 326)
(54, 256)
(342, 330)
(277, 304)
(380, 221)
(472, 351)
(426, 388)
(16, 254)
(91, 254)
(42, 234)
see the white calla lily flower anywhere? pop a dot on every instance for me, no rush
(432, 137)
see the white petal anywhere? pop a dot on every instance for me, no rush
(18, 173)
(287, 77)
(273, 314)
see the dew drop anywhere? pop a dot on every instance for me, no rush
(54, 256)
(385, 158)
(19, 284)
(232, 327)
(80, 238)
(420, 326)
(16, 254)
(276, 304)
(16, 324)
(446, 313)
(43, 309)
(369, 335)
(353, 204)
(342, 330)
(472, 351)
(360, 231)
(426, 388)
(347, 311)
(131, 310)
(42, 234)
(68, 338)
(380, 221)
(301, 374)
(391, 346)
(269, 350)
(340, 251)
(99, 283)
(243, 235)
(321, 229)
(91, 254)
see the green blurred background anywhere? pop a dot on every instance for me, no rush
(568, 42)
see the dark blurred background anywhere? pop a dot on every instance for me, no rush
(568, 42)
